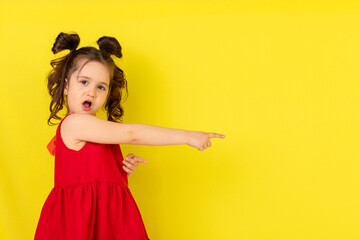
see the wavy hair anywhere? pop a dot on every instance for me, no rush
(64, 66)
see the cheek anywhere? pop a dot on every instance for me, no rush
(106, 94)
(103, 97)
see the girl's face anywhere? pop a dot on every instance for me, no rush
(88, 88)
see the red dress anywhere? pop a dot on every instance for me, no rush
(90, 199)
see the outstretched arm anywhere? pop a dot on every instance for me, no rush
(84, 127)
(145, 134)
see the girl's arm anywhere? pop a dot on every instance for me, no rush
(145, 134)
(85, 127)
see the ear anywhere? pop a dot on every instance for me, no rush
(66, 86)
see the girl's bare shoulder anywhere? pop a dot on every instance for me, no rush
(67, 132)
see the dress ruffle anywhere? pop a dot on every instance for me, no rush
(91, 211)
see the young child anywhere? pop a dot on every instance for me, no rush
(90, 198)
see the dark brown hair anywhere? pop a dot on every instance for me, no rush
(64, 66)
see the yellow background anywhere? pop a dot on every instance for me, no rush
(279, 78)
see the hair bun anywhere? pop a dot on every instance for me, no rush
(65, 41)
(110, 45)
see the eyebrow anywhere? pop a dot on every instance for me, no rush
(91, 79)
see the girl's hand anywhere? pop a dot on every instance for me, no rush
(201, 140)
(131, 162)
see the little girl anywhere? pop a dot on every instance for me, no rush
(90, 198)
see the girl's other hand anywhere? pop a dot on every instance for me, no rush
(131, 162)
(201, 140)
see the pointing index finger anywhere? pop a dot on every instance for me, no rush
(216, 135)
(139, 159)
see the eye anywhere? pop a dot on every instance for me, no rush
(84, 82)
(101, 87)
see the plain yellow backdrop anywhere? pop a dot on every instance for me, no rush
(279, 78)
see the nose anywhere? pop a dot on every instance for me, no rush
(91, 93)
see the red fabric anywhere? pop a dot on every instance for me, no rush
(90, 199)
(52, 146)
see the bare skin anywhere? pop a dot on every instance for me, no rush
(131, 162)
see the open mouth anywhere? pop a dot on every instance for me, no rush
(87, 105)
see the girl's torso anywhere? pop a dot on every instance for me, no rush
(91, 199)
